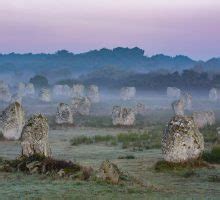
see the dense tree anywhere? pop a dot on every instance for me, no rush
(39, 81)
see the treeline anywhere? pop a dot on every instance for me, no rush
(187, 80)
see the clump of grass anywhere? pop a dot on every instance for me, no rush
(127, 157)
(92, 140)
(213, 156)
(138, 141)
(163, 166)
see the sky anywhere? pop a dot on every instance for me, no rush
(171, 27)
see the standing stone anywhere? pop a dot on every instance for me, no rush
(12, 120)
(34, 136)
(5, 94)
(45, 95)
(214, 94)
(64, 114)
(93, 93)
(178, 107)
(78, 90)
(123, 116)
(81, 105)
(187, 99)
(127, 93)
(204, 118)
(173, 92)
(182, 140)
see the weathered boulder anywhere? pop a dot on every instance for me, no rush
(109, 172)
(5, 94)
(140, 109)
(173, 92)
(45, 95)
(81, 105)
(204, 118)
(123, 116)
(187, 99)
(128, 93)
(34, 136)
(182, 140)
(178, 107)
(214, 94)
(93, 93)
(62, 91)
(64, 114)
(78, 90)
(12, 120)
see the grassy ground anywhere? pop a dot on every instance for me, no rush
(185, 184)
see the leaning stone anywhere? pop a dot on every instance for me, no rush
(12, 120)
(34, 137)
(182, 140)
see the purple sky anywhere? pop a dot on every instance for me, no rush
(189, 27)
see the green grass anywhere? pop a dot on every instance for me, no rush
(212, 156)
(164, 166)
(135, 140)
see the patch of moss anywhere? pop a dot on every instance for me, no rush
(162, 166)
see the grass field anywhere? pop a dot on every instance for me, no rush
(185, 184)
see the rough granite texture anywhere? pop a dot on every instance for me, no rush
(34, 136)
(182, 140)
(12, 120)
(64, 114)
(123, 116)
